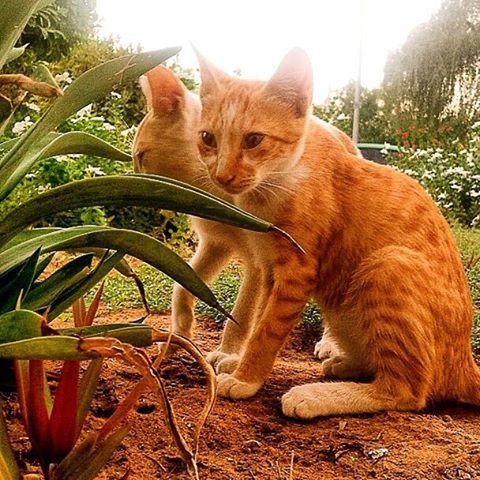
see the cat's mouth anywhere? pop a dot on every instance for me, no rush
(234, 189)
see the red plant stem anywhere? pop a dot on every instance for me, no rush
(37, 410)
(63, 421)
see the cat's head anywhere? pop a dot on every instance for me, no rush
(165, 141)
(252, 130)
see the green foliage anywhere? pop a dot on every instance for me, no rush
(468, 241)
(25, 255)
(374, 119)
(54, 30)
(40, 141)
(434, 78)
(451, 177)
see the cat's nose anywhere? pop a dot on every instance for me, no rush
(225, 178)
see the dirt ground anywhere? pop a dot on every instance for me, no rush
(252, 440)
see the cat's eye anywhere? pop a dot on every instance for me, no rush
(208, 139)
(251, 140)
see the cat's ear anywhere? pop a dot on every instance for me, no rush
(211, 75)
(162, 89)
(292, 83)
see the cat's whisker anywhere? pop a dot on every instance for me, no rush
(278, 186)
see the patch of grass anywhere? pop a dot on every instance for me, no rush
(468, 241)
(121, 293)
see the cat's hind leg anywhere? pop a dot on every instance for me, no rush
(326, 347)
(392, 320)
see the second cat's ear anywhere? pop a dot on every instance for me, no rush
(211, 75)
(162, 89)
(292, 83)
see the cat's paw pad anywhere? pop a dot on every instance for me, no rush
(302, 402)
(341, 367)
(325, 348)
(230, 387)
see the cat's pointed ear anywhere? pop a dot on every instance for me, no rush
(211, 75)
(292, 83)
(162, 89)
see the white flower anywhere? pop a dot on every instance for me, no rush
(108, 126)
(21, 126)
(63, 159)
(32, 106)
(456, 171)
(94, 171)
(115, 95)
(410, 172)
(84, 111)
(475, 194)
(63, 78)
(342, 116)
(455, 186)
(128, 131)
(380, 103)
(44, 188)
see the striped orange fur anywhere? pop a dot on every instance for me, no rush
(380, 258)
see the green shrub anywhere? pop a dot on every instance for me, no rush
(451, 176)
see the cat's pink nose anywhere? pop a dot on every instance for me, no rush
(225, 178)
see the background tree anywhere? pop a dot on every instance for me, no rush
(374, 119)
(434, 78)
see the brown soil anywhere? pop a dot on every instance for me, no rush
(252, 440)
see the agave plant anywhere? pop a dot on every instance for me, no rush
(54, 423)
(29, 301)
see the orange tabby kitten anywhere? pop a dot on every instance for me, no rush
(166, 144)
(380, 258)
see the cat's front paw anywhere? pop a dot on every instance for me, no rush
(230, 387)
(303, 402)
(223, 362)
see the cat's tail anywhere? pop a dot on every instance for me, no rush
(470, 390)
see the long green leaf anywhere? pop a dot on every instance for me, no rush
(30, 234)
(44, 293)
(19, 325)
(14, 17)
(15, 53)
(124, 190)
(19, 285)
(87, 459)
(88, 385)
(68, 143)
(42, 265)
(126, 241)
(8, 466)
(11, 145)
(89, 87)
(46, 348)
(84, 285)
(136, 335)
(49, 242)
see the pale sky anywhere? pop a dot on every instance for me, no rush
(253, 35)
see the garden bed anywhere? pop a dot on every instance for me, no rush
(252, 440)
